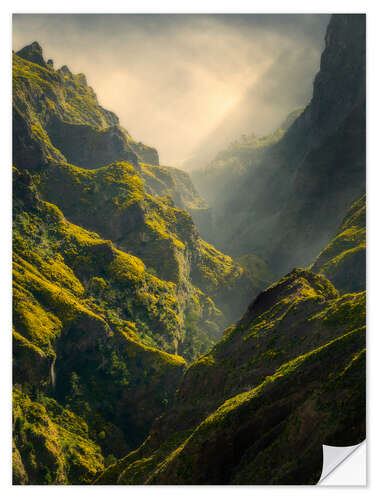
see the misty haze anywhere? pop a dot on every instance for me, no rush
(189, 247)
(186, 83)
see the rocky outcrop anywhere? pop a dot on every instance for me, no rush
(146, 154)
(33, 53)
(171, 182)
(89, 148)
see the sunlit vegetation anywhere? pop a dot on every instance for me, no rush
(343, 261)
(142, 353)
(296, 362)
(111, 280)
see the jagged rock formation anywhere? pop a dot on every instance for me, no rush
(33, 53)
(169, 181)
(296, 193)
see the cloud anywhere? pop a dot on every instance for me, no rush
(174, 79)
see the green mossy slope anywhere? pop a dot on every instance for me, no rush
(295, 363)
(62, 136)
(111, 278)
(343, 261)
(114, 289)
(273, 433)
(288, 377)
(114, 201)
(51, 444)
(87, 319)
(56, 115)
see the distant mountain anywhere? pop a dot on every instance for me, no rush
(224, 176)
(293, 196)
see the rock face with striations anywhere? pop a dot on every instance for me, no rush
(331, 148)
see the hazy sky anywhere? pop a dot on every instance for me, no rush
(183, 82)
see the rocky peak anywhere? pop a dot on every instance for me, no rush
(64, 70)
(33, 53)
(82, 79)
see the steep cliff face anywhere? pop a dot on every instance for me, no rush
(289, 376)
(296, 193)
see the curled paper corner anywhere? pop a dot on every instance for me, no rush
(333, 456)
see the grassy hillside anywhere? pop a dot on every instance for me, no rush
(139, 207)
(113, 286)
(128, 366)
(257, 408)
(343, 261)
(87, 319)
(286, 378)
